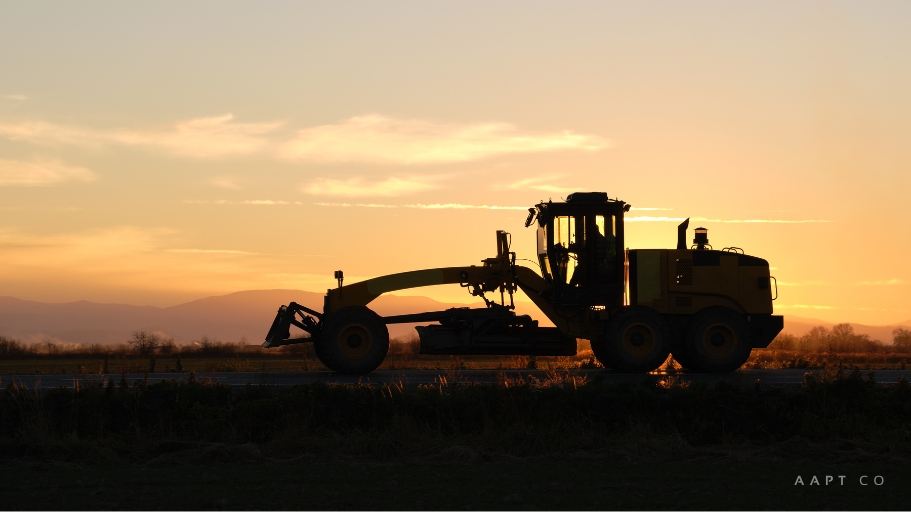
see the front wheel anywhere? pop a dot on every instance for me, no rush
(717, 340)
(636, 340)
(353, 340)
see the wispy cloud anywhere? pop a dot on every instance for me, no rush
(256, 202)
(141, 259)
(228, 182)
(15, 97)
(360, 205)
(882, 282)
(213, 251)
(540, 183)
(458, 206)
(358, 187)
(433, 206)
(803, 306)
(205, 137)
(646, 218)
(369, 138)
(41, 173)
(640, 208)
(816, 307)
(380, 139)
(265, 202)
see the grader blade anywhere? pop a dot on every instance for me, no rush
(280, 332)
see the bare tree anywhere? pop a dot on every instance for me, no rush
(784, 341)
(901, 338)
(50, 346)
(167, 346)
(144, 342)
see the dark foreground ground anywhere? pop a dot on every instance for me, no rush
(565, 442)
(636, 476)
(787, 377)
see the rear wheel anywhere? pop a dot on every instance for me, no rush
(636, 340)
(717, 341)
(353, 340)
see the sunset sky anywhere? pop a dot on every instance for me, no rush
(155, 153)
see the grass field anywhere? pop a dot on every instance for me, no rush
(563, 442)
(557, 443)
(284, 362)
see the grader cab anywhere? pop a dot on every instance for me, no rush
(636, 306)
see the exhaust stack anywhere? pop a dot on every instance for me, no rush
(681, 234)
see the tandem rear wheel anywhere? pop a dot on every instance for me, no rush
(716, 341)
(636, 341)
(353, 340)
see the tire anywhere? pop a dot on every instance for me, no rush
(353, 340)
(717, 340)
(635, 341)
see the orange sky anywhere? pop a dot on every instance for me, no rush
(152, 154)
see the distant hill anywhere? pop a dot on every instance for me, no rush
(227, 317)
(246, 314)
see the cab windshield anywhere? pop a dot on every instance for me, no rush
(578, 250)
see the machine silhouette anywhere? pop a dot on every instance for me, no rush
(708, 308)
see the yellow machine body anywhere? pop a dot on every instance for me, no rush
(709, 308)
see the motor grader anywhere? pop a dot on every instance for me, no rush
(707, 308)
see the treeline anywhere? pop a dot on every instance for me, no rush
(141, 343)
(842, 339)
(149, 344)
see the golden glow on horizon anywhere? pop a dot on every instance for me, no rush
(153, 162)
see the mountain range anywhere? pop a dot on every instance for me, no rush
(245, 314)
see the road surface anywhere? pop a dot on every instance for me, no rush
(781, 377)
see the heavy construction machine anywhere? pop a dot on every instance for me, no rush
(707, 308)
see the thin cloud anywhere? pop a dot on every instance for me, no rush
(803, 306)
(41, 173)
(132, 258)
(380, 139)
(422, 206)
(646, 218)
(639, 208)
(370, 138)
(264, 202)
(886, 282)
(213, 251)
(228, 182)
(256, 202)
(361, 205)
(458, 206)
(204, 137)
(16, 97)
(208, 201)
(358, 187)
(540, 183)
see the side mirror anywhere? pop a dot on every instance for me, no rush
(531, 216)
